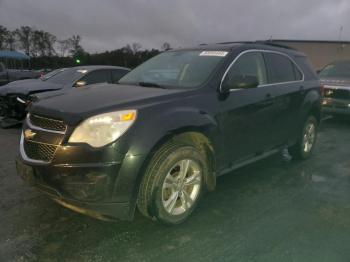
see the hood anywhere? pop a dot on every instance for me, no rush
(50, 93)
(25, 87)
(334, 82)
(80, 103)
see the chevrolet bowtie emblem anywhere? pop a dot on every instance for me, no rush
(29, 134)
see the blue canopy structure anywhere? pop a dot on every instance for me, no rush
(13, 55)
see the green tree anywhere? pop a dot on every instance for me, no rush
(76, 48)
(24, 35)
(3, 37)
(11, 41)
(64, 46)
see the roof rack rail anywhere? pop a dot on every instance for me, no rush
(235, 42)
(263, 42)
(273, 43)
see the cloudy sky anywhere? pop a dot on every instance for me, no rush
(110, 24)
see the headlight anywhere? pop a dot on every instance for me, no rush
(103, 129)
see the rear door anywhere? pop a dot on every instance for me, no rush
(245, 120)
(285, 81)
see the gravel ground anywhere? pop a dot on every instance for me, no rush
(272, 210)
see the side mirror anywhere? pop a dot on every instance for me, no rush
(2, 67)
(239, 82)
(80, 83)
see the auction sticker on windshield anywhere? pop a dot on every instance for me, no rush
(213, 53)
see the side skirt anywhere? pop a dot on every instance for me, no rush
(249, 161)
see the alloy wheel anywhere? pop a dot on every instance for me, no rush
(181, 186)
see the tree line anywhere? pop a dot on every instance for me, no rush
(47, 51)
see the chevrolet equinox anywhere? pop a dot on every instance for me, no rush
(159, 139)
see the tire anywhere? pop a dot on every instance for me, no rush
(164, 194)
(306, 140)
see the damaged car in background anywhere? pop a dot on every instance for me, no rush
(336, 80)
(15, 97)
(10, 75)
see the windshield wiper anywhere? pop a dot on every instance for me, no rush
(150, 84)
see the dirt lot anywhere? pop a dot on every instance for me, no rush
(269, 211)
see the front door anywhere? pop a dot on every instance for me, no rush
(245, 119)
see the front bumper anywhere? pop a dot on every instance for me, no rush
(99, 182)
(100, 190)
(100, 210)
(336, 106)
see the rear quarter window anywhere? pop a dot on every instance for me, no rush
(308, 69)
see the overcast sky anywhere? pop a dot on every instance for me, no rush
(110, 24)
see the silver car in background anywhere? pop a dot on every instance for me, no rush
(335, 78)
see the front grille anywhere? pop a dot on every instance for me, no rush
(47, 123)
(336, 93)
(39, 151)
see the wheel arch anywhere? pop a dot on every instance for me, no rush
(188, 135)
(312, 105)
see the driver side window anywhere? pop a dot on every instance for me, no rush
(250, 64)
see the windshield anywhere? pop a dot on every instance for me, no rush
(66, 76)
(177, 69)
(336, 70)
(51, 74)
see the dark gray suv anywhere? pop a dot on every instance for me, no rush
(160, 138)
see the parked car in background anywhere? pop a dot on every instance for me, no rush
(51, 73)
(336, 80)
(9, 75)
(16, 96)
(160, 138)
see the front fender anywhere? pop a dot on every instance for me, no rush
(163, 124)
(147, 135)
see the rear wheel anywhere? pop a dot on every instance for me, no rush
(306, 140)
(173, 183)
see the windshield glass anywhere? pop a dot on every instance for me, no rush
(66, 76)
(336, 70)
(51, 74)
(177, 69)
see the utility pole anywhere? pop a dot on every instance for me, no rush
(340, 33)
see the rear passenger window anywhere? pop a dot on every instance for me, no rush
(281, 69)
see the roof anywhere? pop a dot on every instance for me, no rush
(94, 67)
(13, 55)
(219, 47)
(245, 45)
(309, 41)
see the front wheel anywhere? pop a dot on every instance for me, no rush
(173, 183)
(306, 140)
